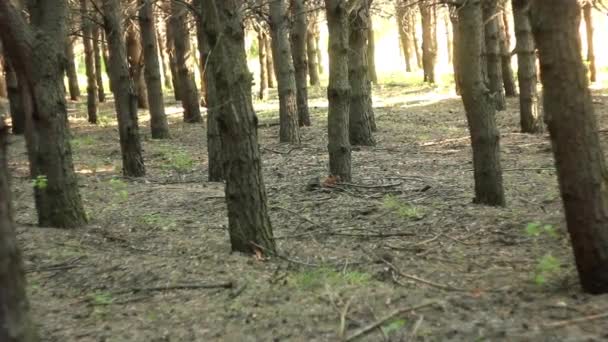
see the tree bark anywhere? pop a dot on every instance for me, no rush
(34, 54)
(588, 13)
(429, 39)
(402, 16)
(311, 51)
(164, 60)
(270, 62)
(360, 108)
(263, 56)
(136, 63)
(125, 97)
(338, 90)
(569, 114)
(158, 119)
(479, 107)
(455, 47)
(415, 44)
(492, 56)
(106, 58)
(170, 48)
(101, 92)
(15, 322)
(3, 91)
(248, 221)
(371, 51)
(284, 70)
(15, 98)
(89, 60)
(188, 93)
(530, 119)
(300, 59)
(70, 70)
(508, 79)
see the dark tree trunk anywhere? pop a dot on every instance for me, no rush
(455, 46)
(581, 169)
(263, 56)
(508, 79)
(15, 98)
(402, 16)
(360, 108)
(158, 118)
(429, 39)
(125, 98)
(530, 118)
(371, 51)
(311, 51)
(58, 201)
(300, 60)
(479, 107)
(492, 56)
(136, 64)
(70, 70)
(187, 86)
(89, 61)
(248, 221)
(286, 80)
(270, 62)
(338, 90)
(101, 92)
(164, 60)
(15, 322)
(588, 13)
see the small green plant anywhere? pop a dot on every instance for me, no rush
(393, 326)
(102, 298)
(405, 210)
(547, 264)
(104, 121)
(40, 182)
(158, 221)
(178, 161)
(120, 187)
(536, 229)
(319, 277)
(83, 141)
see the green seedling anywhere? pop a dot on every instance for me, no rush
(40, 182)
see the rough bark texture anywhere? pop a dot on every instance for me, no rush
(158, 119)
(338, 91)
(39, 61)
(492, 55)
(508, 79)
(479, 107)
(572, 123)
(289, 131)
(183, 53)
(70, 70)
(125, 97)
(15, 99)
(360, 108)
(15, 322)
(311, 51)
(101, 92)
(3, 91)
(455, 46)
(136, 63)
(263, 56)
(270, 62)
(371, 50)
(588, 13)
(248, 221)
(89, 61)
(300, 59)
(402, 16)
(530, 118)
(429, 39)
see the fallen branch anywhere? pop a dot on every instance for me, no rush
(227, 285)
(421, 280)
(564, 323)
(371, 186)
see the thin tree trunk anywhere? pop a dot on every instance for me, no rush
(101, 93)
(106, 58)
(89, 60)
(429, 39)
(588, 13)
(70, 70)
(338, 91)
(403, 21)
(136, 63)
(300, 60)
(360, 108)
(170, 46)
(579, 160)
(311, 51)
(508, 79)
(530, 118)
(270, 62)
(371, 51)
(281, 49)
(492, 56)
(479, 107)
(416, 46)
(263, 56)
(16, 96)
(455, 46)
(3, 91)
(158, 119)
(166, 69)
(125, 99)
(448, 37)
(15, 322)
(248, 221)
(188, 93)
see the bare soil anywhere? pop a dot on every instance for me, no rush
(154, 264)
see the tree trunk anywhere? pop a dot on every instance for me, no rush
(403, 21)
(263, 56)
(248, 221)
(581, 169)
(125, 99)
(136, 63)
(361, 111)
(429, 39)
(101, 93)
(448, 37)
(492, 56)
(311, 51)
(56, 193)
(284, 70)
(530, 118)
(170, 46)
(455, 47)
(188, 93)
(15, 322)
(338, 90)
(371, 51)
(15, 98)
(3, 91)
(300, 60)
(479, 107)
(164, 60)
(270, 62)
(106, 58)
(508, 79)
(89, 60)
(70, 70)
(415, 44)
(588, 13)
(158, 118)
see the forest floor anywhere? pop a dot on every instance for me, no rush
(154, 264)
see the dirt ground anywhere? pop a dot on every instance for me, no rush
(401, 254)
